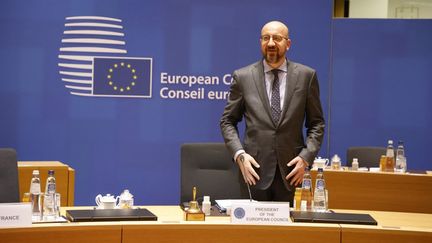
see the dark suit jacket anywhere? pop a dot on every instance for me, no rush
(274, 144)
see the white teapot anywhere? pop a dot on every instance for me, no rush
(126, 199)
(106, 202)
(320, 163)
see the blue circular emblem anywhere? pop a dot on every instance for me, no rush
(239, 213)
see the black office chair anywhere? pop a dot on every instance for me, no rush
(9, 187)
(210, 168)
(367, 156)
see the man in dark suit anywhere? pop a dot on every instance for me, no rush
(276, 97)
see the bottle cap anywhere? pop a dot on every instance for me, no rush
(355, 160)
(206, 199)
(35, 172)
(320, 169)
(390, 141)
(51, 172)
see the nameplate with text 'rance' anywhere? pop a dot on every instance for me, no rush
(261, 213)
(15, 215)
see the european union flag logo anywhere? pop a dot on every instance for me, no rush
(122, 76)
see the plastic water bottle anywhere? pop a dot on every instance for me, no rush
(206, 206)
(355, 164)
(50, 191)
(35, 191)
(35, 186)
(50, 183)
(320, 204)
(306, 195)
(401, 164)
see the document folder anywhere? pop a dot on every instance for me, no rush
(337, 218)
(140, 214)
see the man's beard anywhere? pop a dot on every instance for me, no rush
(273, 57)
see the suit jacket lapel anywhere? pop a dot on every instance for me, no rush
(291, 82)
(259, 80)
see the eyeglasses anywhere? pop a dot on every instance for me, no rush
(276, 38)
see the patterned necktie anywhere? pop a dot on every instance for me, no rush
(275, 97)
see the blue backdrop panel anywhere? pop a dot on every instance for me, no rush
(381, 86)
(116, 142)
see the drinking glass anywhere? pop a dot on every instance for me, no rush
(26, 197)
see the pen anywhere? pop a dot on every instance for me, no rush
(250, 195)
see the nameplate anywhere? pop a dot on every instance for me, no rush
(262, 213)
(15, 215)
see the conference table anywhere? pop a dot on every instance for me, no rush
(375, 191)
(401, 204)
(170, 227)
(379, 191)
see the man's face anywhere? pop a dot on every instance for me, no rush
(274, 42)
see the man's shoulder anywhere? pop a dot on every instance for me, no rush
(301, 67)
(248, 68)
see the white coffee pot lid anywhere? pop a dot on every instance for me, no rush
(107, 198)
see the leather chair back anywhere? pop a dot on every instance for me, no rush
(210, 168)
(367, 156)
(9, 187)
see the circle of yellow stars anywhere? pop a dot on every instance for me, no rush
(117, 87)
